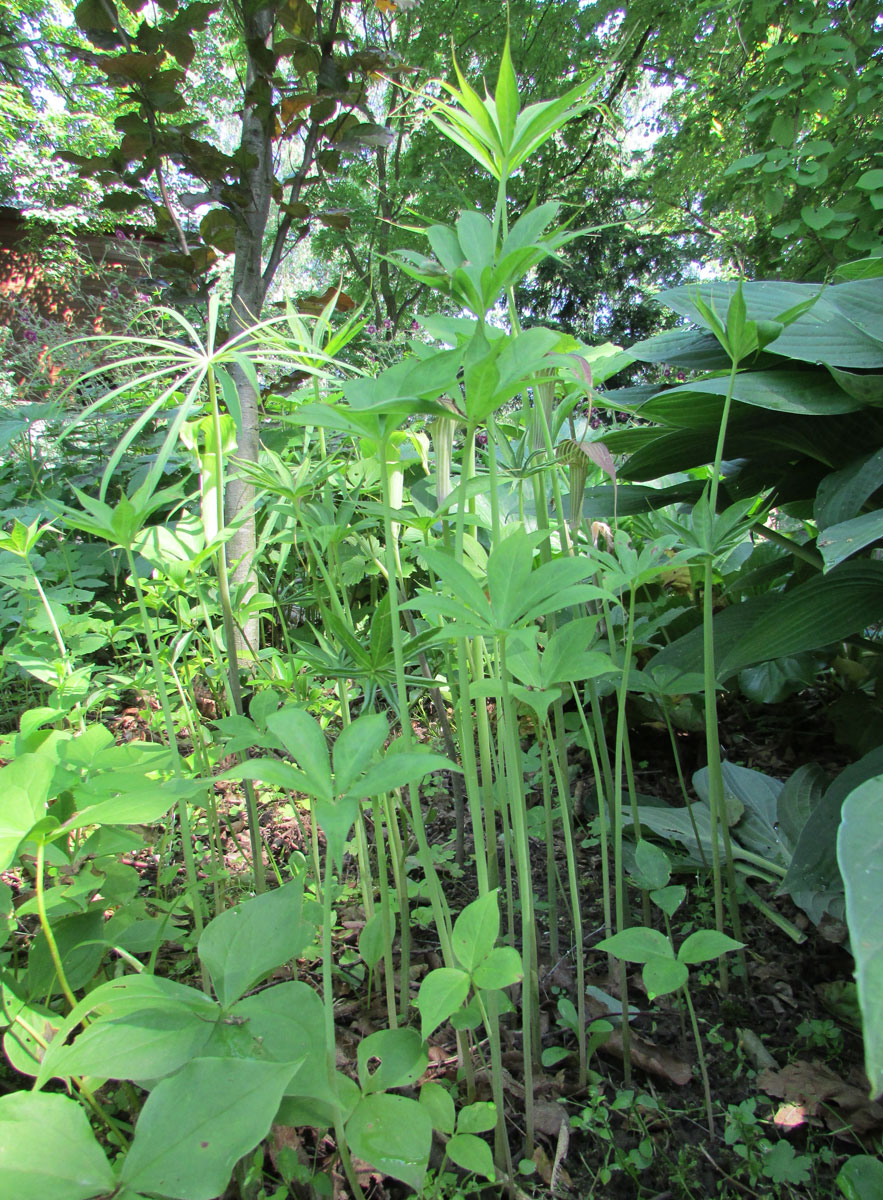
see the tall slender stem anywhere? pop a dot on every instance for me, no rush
(169, 722)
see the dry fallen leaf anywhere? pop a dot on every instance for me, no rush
(548, 1117)
(650, 1058)
(824, 1094)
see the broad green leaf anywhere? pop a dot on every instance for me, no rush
(669, 898)
(476, 930)
(477, 1118)
(756, 795)
(81, 944)
(839, 542)
(439, 1103)
(813, 880)
(143, 802)
(441, 993)
(143, 1045)
(506, 97)
(397, 769)
(861, 1178)
(654, 865)
(244, 944)
(842, 494)
(825, 609)
(809, 392)
(637, 945)
(373, 939)
(797, 800)
(823, 334)
(393, 1134)
(862, 268)
(277, 773)
(197, 1124)
(48, 1150)
(25, 1053)
(121, 997)
(24, 786)
(499, 969)
(401, 1056)
(471, 1153)
(706, 944)
(286, 1023)
(860, 856)
(663, 975)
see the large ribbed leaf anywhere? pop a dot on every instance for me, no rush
(825, 609)
(860, 855)
(810, 392)
(820, 611)
(842, 493)
(682, 348)
(813, 880)
(866, 388)
(824, 334)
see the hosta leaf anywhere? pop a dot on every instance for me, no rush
(860, 855)
(823, 610)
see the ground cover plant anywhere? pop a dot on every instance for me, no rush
(392, 900)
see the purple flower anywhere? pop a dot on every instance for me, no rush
(595, 421)
(140, 296)
(114, 293)
(481, 438)
(121, 236)
(622, 418)
(370, 328)
(30, 335)
(415, 325)
(387, 324)
(681, 376)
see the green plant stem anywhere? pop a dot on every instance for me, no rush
(618, 871)
(436, 897)
(561, 780)
(169, 721)
(47, 928)
(330, 1032)
(383, 879)
(551, 875)
(491, 1019)
(716, 799)
(518, 817)
(251, 805)
(703, 1069)
(397, 859)
(603, 821)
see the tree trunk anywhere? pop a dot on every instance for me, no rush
(255, 150)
